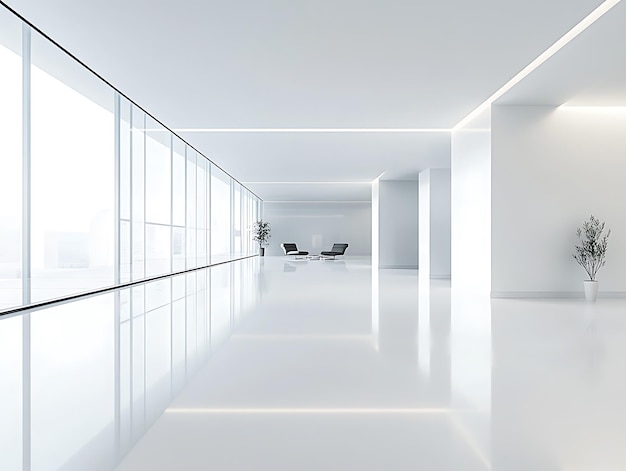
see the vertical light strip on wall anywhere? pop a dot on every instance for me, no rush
(558, 45)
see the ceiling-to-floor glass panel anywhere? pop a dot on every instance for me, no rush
(158, 199)
(247, 224)
(236, 251)
(201, 210)
(138, 205)
(73, 184)
(244, 219)
(178, 249)
(125, 165)
(178, 182)
(190, 246)
(125, 124)
(178, 204)
(158, 248)
(11, 161)
(220, 215)
(158, 173)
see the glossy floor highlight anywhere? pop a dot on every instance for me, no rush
(277, 364)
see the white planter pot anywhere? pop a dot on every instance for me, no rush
(591, 290)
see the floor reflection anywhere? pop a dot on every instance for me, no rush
(328, 366)
(558, 384)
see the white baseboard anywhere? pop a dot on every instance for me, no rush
(553, 294)
(410, 267)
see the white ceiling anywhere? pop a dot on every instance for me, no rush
(311, 64)
(590, 70)
(319, 191)
(313, 157)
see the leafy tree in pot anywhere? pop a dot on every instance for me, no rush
(261, 234)
(592, 251)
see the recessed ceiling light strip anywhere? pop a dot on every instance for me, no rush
(564, 40)
(300, 410)
(314, 130)
(308, 183)
(319, 201)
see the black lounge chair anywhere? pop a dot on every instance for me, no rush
(292, 249)
(338, 249)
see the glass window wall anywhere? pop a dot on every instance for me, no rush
(178, 204)
(97, 191)
(236, 206)
(11, 160)
(72, 175)
(220, 216)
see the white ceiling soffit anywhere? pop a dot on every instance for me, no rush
(400, 175)
(313, 191)
(590, 70)
(322, 157)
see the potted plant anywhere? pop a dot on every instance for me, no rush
(591, 252)
(261, 234)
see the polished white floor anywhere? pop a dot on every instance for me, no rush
(318, 365)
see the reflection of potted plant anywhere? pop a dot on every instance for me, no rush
(261, 234)
(591, 253)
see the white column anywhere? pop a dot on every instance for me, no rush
(434, 223)
(376, 224)
(471, 208)
(397, 203)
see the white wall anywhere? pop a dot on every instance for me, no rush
(471, 208)
(434, 222)
(551, 169)
(316, 226)
(398, 224)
